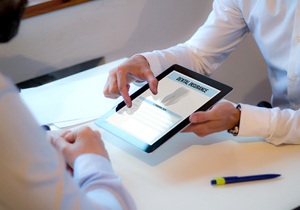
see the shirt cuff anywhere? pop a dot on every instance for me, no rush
(254, 121)
(88, 164)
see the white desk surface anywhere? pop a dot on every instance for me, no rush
(177, 175)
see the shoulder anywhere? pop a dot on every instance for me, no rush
(244, 6)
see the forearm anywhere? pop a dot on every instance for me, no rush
(275, 125)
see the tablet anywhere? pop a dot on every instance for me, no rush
(154, 119)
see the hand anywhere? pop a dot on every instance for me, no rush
(222, 116)
(135, 68)
(72, 144)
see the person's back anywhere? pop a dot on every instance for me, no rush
(34, 171)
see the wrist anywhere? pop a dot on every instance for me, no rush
(235, 129)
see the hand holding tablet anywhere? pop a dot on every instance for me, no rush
(153, 119)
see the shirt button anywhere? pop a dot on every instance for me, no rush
(298, 39)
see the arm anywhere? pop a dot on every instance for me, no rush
(85, 153)
(35, 173)
(211, 44)
(101, 185)
(203, 52)
(275, 125)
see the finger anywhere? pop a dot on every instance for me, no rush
(71, 136)
(153, 84)
(77, 134)
(200, 130)
(187, 129)
(195, 128)
(123, 87)
(58, 142)
(97, 133)
(64, 133)
(147, 75)
(110, 88)
(200, 117)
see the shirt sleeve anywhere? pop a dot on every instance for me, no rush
(34, 175)
(275, 125)
(211, 44)
(95, 176)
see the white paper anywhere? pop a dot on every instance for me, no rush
(73, 101)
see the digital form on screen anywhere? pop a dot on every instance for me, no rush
(151, 116)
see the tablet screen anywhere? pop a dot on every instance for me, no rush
(153, 119)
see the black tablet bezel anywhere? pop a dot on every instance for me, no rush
(224, 90)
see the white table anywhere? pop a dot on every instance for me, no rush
(177, 175)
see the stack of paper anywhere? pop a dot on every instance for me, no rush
(66, 103)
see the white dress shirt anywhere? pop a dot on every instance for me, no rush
(274, 125)
(34, 176)
(275, 26)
